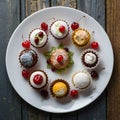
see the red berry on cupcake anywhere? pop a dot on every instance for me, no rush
(38, 79)
(94, 45)
(74, 25)
(36, 41)
(40, 34)
(74, 93)
(62, 29)
(44, 26)
(60, 58)
(25, 73)
(26, 44)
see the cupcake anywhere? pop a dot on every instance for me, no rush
(59, 88)
(28, 58)
(59, 29)
(80, 37)
(38, 38)
(58, 59)
(81, 80)
(38, 79)
(90, 59)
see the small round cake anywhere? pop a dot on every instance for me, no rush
(38, 79)
(59, 88)
(28, 58)
(81, 37)
(59, 29)
(90, 59)
(59, 58)
(81, 80)
(38, 38)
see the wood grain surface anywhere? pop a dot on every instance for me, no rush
(106, 12)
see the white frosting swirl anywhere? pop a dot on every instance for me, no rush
(41, 42)
(32, 79)
(55, 29)
(90, 58)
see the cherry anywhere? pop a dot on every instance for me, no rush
(38, 79)
(94, 45)
(74, 25)
(44, 93)
(60, 58)
(26, 44)
(40, 34)
(74, 93)
(25, 73)
(36, 41)
(94, 74)
(44, 26)
(62, 29)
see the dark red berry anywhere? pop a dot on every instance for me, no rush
(74, 93)
(44, 26)
(38, 79)
(74, 25)
(53, 69)
(44, 93)
(94, 45)
(26, 44)
(62, 29)
(48, 61)
(36, 41)
(40, 34)
(94, 74)
(25, 74)
(60, 58)
(66, 49)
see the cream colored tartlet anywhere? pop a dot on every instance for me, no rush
(81, 80)
(59, 88)
(81, 37)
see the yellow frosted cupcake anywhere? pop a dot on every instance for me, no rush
(59, 88)
(81, 37)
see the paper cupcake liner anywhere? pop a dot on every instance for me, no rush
(36, 58)
(77, 45)
(93, 66)
(63, 81)
(84, 88)
(46, 80)
(65, 35)
(43, 44)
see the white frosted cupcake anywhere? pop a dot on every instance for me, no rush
(38, 79)
(82, 80)
(59, 29)
(38, 38)
(90, 58)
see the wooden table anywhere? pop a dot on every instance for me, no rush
(106, 107)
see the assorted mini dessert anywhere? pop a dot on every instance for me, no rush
(28, 58)
(58, 59)
(90, 58)
(59, 29)
(82, 80)
(81, 37)
(38, 38)
(38, 79)
(59, 88)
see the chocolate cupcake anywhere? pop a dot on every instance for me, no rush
(81, 37)
(38, 38)
(59, 29)
(38, 79)
(90, 58)
(28, 58)
(81, 80)
(59, 88)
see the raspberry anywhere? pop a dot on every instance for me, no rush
(44, 26)
(74, 93)
(94, 45)
(26, 44)
(25, 73)
(62, 29)
(74, 25)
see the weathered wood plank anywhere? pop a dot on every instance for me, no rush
(113, 28)
(97, 110)
(10, 102)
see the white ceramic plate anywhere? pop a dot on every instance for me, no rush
(22, 86)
